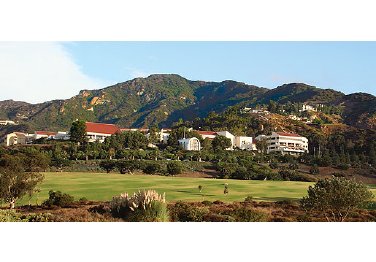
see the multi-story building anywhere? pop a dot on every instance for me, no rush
(285, 143)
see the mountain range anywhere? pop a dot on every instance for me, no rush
(164, 98)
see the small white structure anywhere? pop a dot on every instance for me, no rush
(44, 134)
(254, 111)
(230, 136)
(285, 143)
(244, 143)
(190, 144)
(308, 108)
(16, 138)
(61, 136)
(7, 122)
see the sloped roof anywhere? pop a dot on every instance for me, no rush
(207, 133)
(45, 133)
(100, 128)
(288, 134)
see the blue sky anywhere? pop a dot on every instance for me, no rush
(60, 70)
(344, 66)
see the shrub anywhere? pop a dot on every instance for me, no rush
(336, 197)
(107, 165)
(304, 218)
(185, 212)
(143, 206)
(244, 214)
(293, 166)
(213, 217)
(56, 198)
(101, 209)
(152, 168)
(292, 175)
(127, 166)
(10, 216)
(314, 170)
(13, 216)
(248, 198)
(207, 203)
(343, 166)
(42, 217)
(174, 168)
(83, 200)
(273, 165)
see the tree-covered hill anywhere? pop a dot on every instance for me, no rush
(165, 98)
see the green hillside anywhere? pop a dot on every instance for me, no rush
(165, 98)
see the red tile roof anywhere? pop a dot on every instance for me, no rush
(288, 134)
(207, 133)
(45, 133)
(145, 130)
(108, 129)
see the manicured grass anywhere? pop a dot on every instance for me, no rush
(101, 186)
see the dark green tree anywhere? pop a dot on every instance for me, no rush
(221, 143)
(174, 168)
(78, 132)
(107, 165)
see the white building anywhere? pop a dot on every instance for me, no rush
(16, 138)
(244, 143)
(253, 111)
(7, 122)
(61, 136)
(230, 136)
(190, 144)
(306, 107)
(99, 132)
(44, 134)
(163, 135)
(285, 143)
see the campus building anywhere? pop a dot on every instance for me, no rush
(190, 144)
(285, 143)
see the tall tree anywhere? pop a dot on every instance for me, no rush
(221, 143)
(78, 132)
(15, 181)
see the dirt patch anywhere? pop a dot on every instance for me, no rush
(205, 173)
(360, 175)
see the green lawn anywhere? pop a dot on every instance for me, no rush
(100, 186)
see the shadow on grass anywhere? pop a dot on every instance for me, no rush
(195, 194)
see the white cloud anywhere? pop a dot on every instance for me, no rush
(134, 72)
(40, 71)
